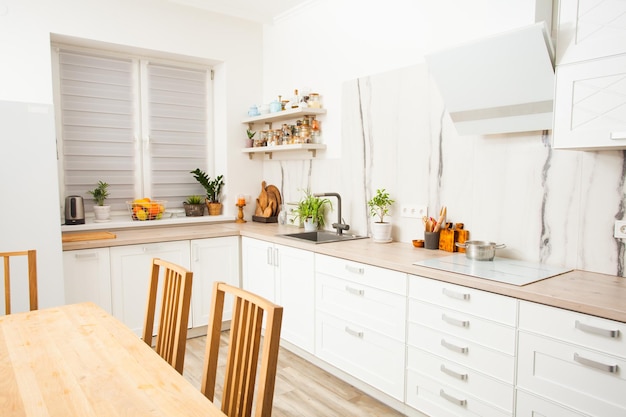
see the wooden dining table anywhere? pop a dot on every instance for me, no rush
(78, 360)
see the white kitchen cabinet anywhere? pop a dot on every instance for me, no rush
(360, 321)
(529, 405)
(589, 29)
(285, 276)
(214, 259)
(590, 109)
(87, 275)
(461, 346)
(572, 359)
(130, 276)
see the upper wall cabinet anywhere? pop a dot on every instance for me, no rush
(590, 29)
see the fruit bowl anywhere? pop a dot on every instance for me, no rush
(145, 209)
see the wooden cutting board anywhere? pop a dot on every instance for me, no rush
(81, 236)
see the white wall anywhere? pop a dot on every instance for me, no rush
(25, 77)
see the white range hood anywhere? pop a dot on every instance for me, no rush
(501, 84)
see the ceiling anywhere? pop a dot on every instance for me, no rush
(263, 11)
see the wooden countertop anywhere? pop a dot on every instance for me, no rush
(586, 292)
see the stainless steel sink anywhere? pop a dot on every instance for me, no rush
(321, 237)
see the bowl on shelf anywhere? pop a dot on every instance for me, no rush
(145, 209)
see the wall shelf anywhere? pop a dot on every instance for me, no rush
(269, 150)
(269, 118)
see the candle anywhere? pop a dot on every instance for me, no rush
(241, 200)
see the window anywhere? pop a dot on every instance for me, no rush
(138, 124)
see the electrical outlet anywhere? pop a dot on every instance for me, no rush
(620, 229)
(414, 211)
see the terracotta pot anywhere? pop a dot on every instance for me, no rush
(215, 209)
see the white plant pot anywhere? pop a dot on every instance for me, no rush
(381, 232)
(102, 213)
(310, 225)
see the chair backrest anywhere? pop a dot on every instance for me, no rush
(172, 330)
(243, 352)
(32, 277)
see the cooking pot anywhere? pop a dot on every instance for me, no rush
(480, 250)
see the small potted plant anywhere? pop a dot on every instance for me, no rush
(250, 140)
(101, 211)
(194, 206)
(213, 188)
(311, 211)
(379, 208)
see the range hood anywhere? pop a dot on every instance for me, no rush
(501, 84)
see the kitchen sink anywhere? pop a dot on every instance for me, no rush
(322, 237)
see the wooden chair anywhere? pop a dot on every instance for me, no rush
(174, 315)
(32, 278)
(243, 352)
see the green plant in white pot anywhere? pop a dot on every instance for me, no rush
(311, 211)
(101, 211)
(379, 208)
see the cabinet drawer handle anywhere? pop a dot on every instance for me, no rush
(354, 333)
(455, 348)
(452, 399)
(462, 377)
(455, 322)
(276, 257)
(90, 255)
(596, 330)
(455, 294)
(595, 364)
(355, 269)
(354, 291)
(618, 135)
(269, 255)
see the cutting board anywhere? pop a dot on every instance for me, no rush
(81, 236)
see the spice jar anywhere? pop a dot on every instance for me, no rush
(314, 101)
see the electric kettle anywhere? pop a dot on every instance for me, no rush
(74, 210)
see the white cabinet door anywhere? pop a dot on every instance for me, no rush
(257, 267)
(87, 277)
(296, 293)
(130, 275)
(590, 109)
(215, 259)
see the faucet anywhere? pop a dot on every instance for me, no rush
(339, 225)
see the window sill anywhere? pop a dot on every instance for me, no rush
(125, 222)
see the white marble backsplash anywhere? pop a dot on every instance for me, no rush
(552, 206)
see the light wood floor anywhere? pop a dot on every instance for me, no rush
(302, 389)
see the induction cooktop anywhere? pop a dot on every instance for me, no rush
(509, 271)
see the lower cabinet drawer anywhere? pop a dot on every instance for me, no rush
(529, 405)
(586, 380)
(435, 399)
(465, 380)
(374, 358)
(491, 362)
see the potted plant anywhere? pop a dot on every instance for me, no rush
(379, 208)
(194, 206)
(213, 187)
(250, 140)
(311, 211)
(101, 211)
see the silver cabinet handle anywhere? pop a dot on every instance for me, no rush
(89, 255)
(596, 330)
(355, 269)
(455, 294)
(354, 291)
(453, 347)
(618, 135)
(452, 399)
(462, 377)
(354, 333)
(269, 255)
(595, 364)
(276, 257)
(455, 322)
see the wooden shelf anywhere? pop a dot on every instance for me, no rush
(269, 150)
(269, 118)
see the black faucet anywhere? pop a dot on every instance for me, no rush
(339, 225)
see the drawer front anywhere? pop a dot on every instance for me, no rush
(528, 405)
(372, 276)
(476, 302)
(593, 332)
(496, 364)
(363, 353)
(583, 379)
(369, 307)
(463, 325)
(436, 399)
(465, 380)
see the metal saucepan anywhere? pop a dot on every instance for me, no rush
(480, 250)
